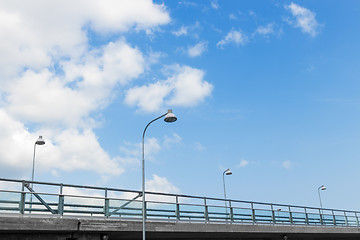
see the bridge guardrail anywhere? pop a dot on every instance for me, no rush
(67, 199)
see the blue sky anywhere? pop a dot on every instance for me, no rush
(269, 89)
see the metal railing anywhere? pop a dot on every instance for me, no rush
(67, 199)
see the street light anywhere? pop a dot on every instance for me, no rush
(40, 141)
(169, 117)
(322, 187)
(227, 172)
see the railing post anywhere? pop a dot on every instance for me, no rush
(357, 219)
(22, 198)
(346, 220)
(61, 201)
(253, 213)
(177, 211)
(206, 213)
(321, 218)
(306, 217)
(290, 215)
(231, 212)
(107, 204)
(334, 218)
(273, 214)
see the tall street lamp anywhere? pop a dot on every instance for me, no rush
(40, 141)
(226, 172)
(169, 117)
(322, 187)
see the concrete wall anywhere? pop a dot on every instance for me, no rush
(29, 227)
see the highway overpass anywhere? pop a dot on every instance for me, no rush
(69, 212)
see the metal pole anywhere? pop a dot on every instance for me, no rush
(143, 177)
(227, 172)
(225, 193)
(321, 187)
(40, 141)
(32, 175)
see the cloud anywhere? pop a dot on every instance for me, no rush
(243, 163)
(214, 4)
(198, 146)
(265, 30)
(190, 30)
(160, 184)
(66, 150)
(286, 164)
(54, 80)
(236, 37)
(185, 88)
(149, 98)
(182, 31)
(85, 86)
(29, 30)
(197, 49)
(175, 138)
(304, 19)
(232, 16)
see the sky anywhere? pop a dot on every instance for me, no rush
(269, 89)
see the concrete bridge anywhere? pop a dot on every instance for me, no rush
(69, 212)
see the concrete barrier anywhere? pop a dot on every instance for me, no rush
(41, 227)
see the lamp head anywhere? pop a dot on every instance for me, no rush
(322, 187)
(40, 141)
(228, 172)
(170, 117)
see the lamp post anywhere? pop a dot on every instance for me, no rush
(40, 141)
(169, 117)
(227, 172)
(322, 187)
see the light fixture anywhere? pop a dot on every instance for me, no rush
(228, 172)
(40, 141)
(170, 117)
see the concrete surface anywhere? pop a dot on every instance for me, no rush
(41, 227)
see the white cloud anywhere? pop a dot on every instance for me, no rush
(121, 15)
(185, 87)
(182, 31)
(72, 150)
(131, 152)
(286, 164)
(214, 4)
(265, 30)
(163, 185)
(49, 78)
(232, 16)
(243, 163)
(304, 19)
(190, 30)
(160, 184)
(189, 88)
(45, 97)
(38, 28)
(200, 147)
(149, 98)
(67, 150)
(175, 138)
(233, 36)
(197, 49)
